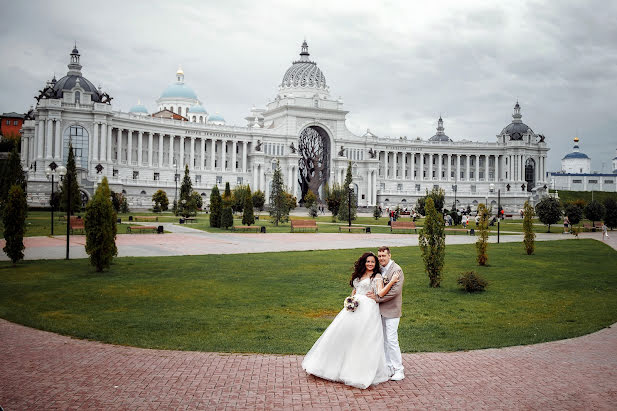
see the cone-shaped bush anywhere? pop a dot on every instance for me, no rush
(248, 217)
(100, 225)
(14, 220)
(432, 239)
(215, 207)
(227, 217)
(530, 236)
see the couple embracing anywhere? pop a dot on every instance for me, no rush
(360, 347)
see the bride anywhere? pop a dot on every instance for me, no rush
(351, 350)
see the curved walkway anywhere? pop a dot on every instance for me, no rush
(42, 370)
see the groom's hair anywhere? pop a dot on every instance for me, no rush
(384, 248)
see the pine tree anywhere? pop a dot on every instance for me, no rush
(227, 217)
(100, 226)
(279, 207)
(248, 217)
(227, 198)
(344, 209)
(529, 239)
(377, 212)
(482, 227)
(432, 241)
(11, 175)
(70, 179)
(14, 220)
(215, 207)
(186, 207)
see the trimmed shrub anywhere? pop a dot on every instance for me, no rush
(471, 282)
(14, 220)
(227, 217)
(215, 207)
(530, 236)
(100, 227)
(482, 242)
(248, 217)
(432, 241)
(377, 212)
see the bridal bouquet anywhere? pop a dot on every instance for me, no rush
(351, 303)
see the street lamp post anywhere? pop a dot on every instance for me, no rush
(62, 172)
(50, 171)
(351, 186)
(176, 180)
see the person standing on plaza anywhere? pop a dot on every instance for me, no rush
(390, 306)
(566, 225)
(604, 231)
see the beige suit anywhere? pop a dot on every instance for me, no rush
(391, 303)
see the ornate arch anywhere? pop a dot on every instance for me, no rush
(314, 148)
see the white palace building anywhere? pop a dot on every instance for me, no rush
(303, 128)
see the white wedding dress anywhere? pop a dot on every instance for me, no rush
(351, 350)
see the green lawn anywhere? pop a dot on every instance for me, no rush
(566, 196)
(282, 302)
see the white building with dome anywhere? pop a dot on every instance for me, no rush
(576, 175)
(303, 128)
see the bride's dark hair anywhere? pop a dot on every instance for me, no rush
(359, 267)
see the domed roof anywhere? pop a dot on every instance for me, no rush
(179, 89)
(575, 155)
(516, 129)
(440, 136)
(197, 109)
(304, 73)
(215, 118)
(74, 75)
(138, 108)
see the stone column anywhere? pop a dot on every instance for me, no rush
(48, 139)
(477, 168)
(129, 148)
(171, 151)
(95, 143)
(449, 168)
(212, 154)
(440, 166)
(58, 151)
(40, 139)
(140, 147)
(160, 159)
(421, 170)
(150, 149)
(234, 146)
(369, 193)
(192, 155)
(467, 166)
(244, 155)
(103, 153)
(496, 167)
(182, 162)
(109, 137)
(202, 156)
(255, 176)
(413, 166)
(385, 164)
(119, 146)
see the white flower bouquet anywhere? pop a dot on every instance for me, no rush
(351, 303)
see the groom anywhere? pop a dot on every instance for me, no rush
(390, 307)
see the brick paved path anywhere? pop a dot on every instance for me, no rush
(42, 370)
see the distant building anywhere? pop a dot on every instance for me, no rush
(576, 175)
(11, 124)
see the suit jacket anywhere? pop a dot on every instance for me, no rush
(391, 303)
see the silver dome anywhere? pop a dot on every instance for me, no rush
(304, 73)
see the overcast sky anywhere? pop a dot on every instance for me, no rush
(397, 65)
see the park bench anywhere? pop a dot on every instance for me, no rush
(349, 229)
(76, 223)
(145, 218)
(403, 225)
(587, 227)
(140, 229)
(469, 231)
(190, 220)
(598, 226)
(256, 228)
(303, 224)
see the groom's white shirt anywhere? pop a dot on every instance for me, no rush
(385, 268)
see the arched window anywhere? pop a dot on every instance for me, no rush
(201, 119)
(77, 97)
(194, 118)
(78, 136)
(143, 192)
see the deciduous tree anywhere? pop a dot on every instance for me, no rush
(548, 211)
(161, 202)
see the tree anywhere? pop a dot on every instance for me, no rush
(248, 217)
(529, 239)
(574, 212)
(344, 208)
(334, 198)
(259, 200)
(313, 165)
(161, 202)
(482, 228)
(197, 201)
(432, 241)
(186, 207)
(70, 179)
(239, 197)
(216, 205)
(438, 196)
(610, 215)
(310, 202)
(279, 203)
(377, 212)
(548, 211)
(227, 198)
(14, 221)
(594, 211)
(100, 227)
(227, 217)
(11, 174)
